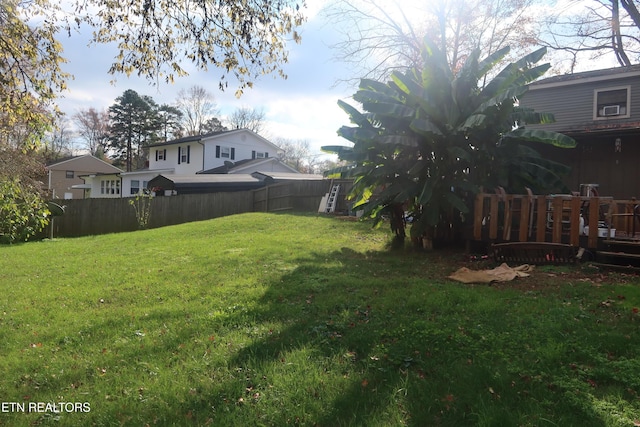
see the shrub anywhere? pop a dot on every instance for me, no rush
(142, 206)
(23, 212)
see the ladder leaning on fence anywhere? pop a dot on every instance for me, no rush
(329, 201)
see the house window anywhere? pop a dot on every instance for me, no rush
(225, 152)
(259, 155)
(184, 154)
(70, 174)
(612, 103)
(110, 186)
(135, 186)
(161, 155)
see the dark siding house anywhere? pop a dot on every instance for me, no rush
(601, 110)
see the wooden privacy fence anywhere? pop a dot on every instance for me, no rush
(568, 219)
(100, 216)
(303, 196)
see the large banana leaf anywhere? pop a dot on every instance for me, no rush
(376, 86)
(343, 152)
(413, 91)
(406, 140)
(388, 109)
(458, 153)
(355, 134)
(455, 201)
(357, 118)
(532, 58)
(490, 61)
(473, 121)
(542, 136)
(370, 96)
(425, 195)
(465, 83)
(510, 73)
(523, 115)
(509, 94)
(426, 127)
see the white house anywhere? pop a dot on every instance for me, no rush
(191, 156)
(194, 154)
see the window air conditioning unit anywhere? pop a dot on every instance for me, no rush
(611, 110)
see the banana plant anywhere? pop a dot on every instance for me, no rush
(425, 142)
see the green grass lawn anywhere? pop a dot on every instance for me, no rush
(275, 320)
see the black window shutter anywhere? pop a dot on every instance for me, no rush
(188, 153)
(233, 153)
(266, 154)
(164, 154)
(156, 155)
(179, 154)
(253, 154)
(217, 151)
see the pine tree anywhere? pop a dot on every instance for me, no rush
(134, 125)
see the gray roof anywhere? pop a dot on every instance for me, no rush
(187, 139)
(210, 178)
(289, 176)
(607, 73)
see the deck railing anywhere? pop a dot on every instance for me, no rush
(570, 219)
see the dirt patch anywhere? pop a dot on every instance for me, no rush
(547, 278)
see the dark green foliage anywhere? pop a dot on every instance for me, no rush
(169, 122)
(430, 139)
(23, 212)
(135, 124)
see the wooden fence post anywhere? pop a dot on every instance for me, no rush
(478, 216)
(574, 221)
(594, 217)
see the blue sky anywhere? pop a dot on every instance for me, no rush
(302, 107)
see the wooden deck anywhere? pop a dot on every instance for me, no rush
(593, 223)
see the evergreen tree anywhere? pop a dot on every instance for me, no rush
(134, 125)
(169, 118)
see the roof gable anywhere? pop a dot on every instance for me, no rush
(83, 163)
(216, 136)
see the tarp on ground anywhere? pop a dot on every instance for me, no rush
(502, 273)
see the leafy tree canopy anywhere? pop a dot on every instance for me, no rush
(156, 38)
(23, 212)
(30, 68)
(245, 38)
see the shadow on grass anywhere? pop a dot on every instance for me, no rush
(377, 340)
(365, 344)
(353, 345)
